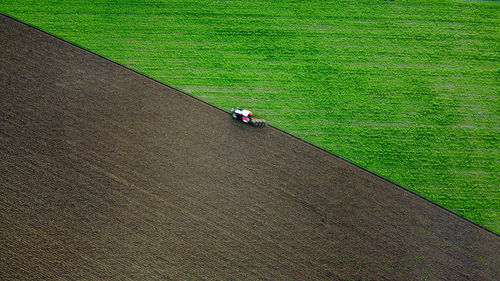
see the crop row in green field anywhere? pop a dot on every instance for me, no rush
(407, 89)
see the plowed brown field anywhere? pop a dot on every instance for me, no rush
(108, 174)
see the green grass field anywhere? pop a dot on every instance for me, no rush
(407, 89)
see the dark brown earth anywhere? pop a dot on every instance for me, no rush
(107, 174)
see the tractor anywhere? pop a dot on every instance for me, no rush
(246, 117)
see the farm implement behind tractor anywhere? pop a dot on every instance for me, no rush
(246, 116)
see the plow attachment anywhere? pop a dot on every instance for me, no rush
(258, 122)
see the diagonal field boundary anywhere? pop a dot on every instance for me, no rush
(105, 175)
(269, 125)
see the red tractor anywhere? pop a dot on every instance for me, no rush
(246, 116)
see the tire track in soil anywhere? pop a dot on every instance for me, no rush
(108, 174)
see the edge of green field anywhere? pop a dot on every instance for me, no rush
(407, 89)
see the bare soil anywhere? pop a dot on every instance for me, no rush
(108, 174)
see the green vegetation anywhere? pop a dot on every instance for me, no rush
(407, 89)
